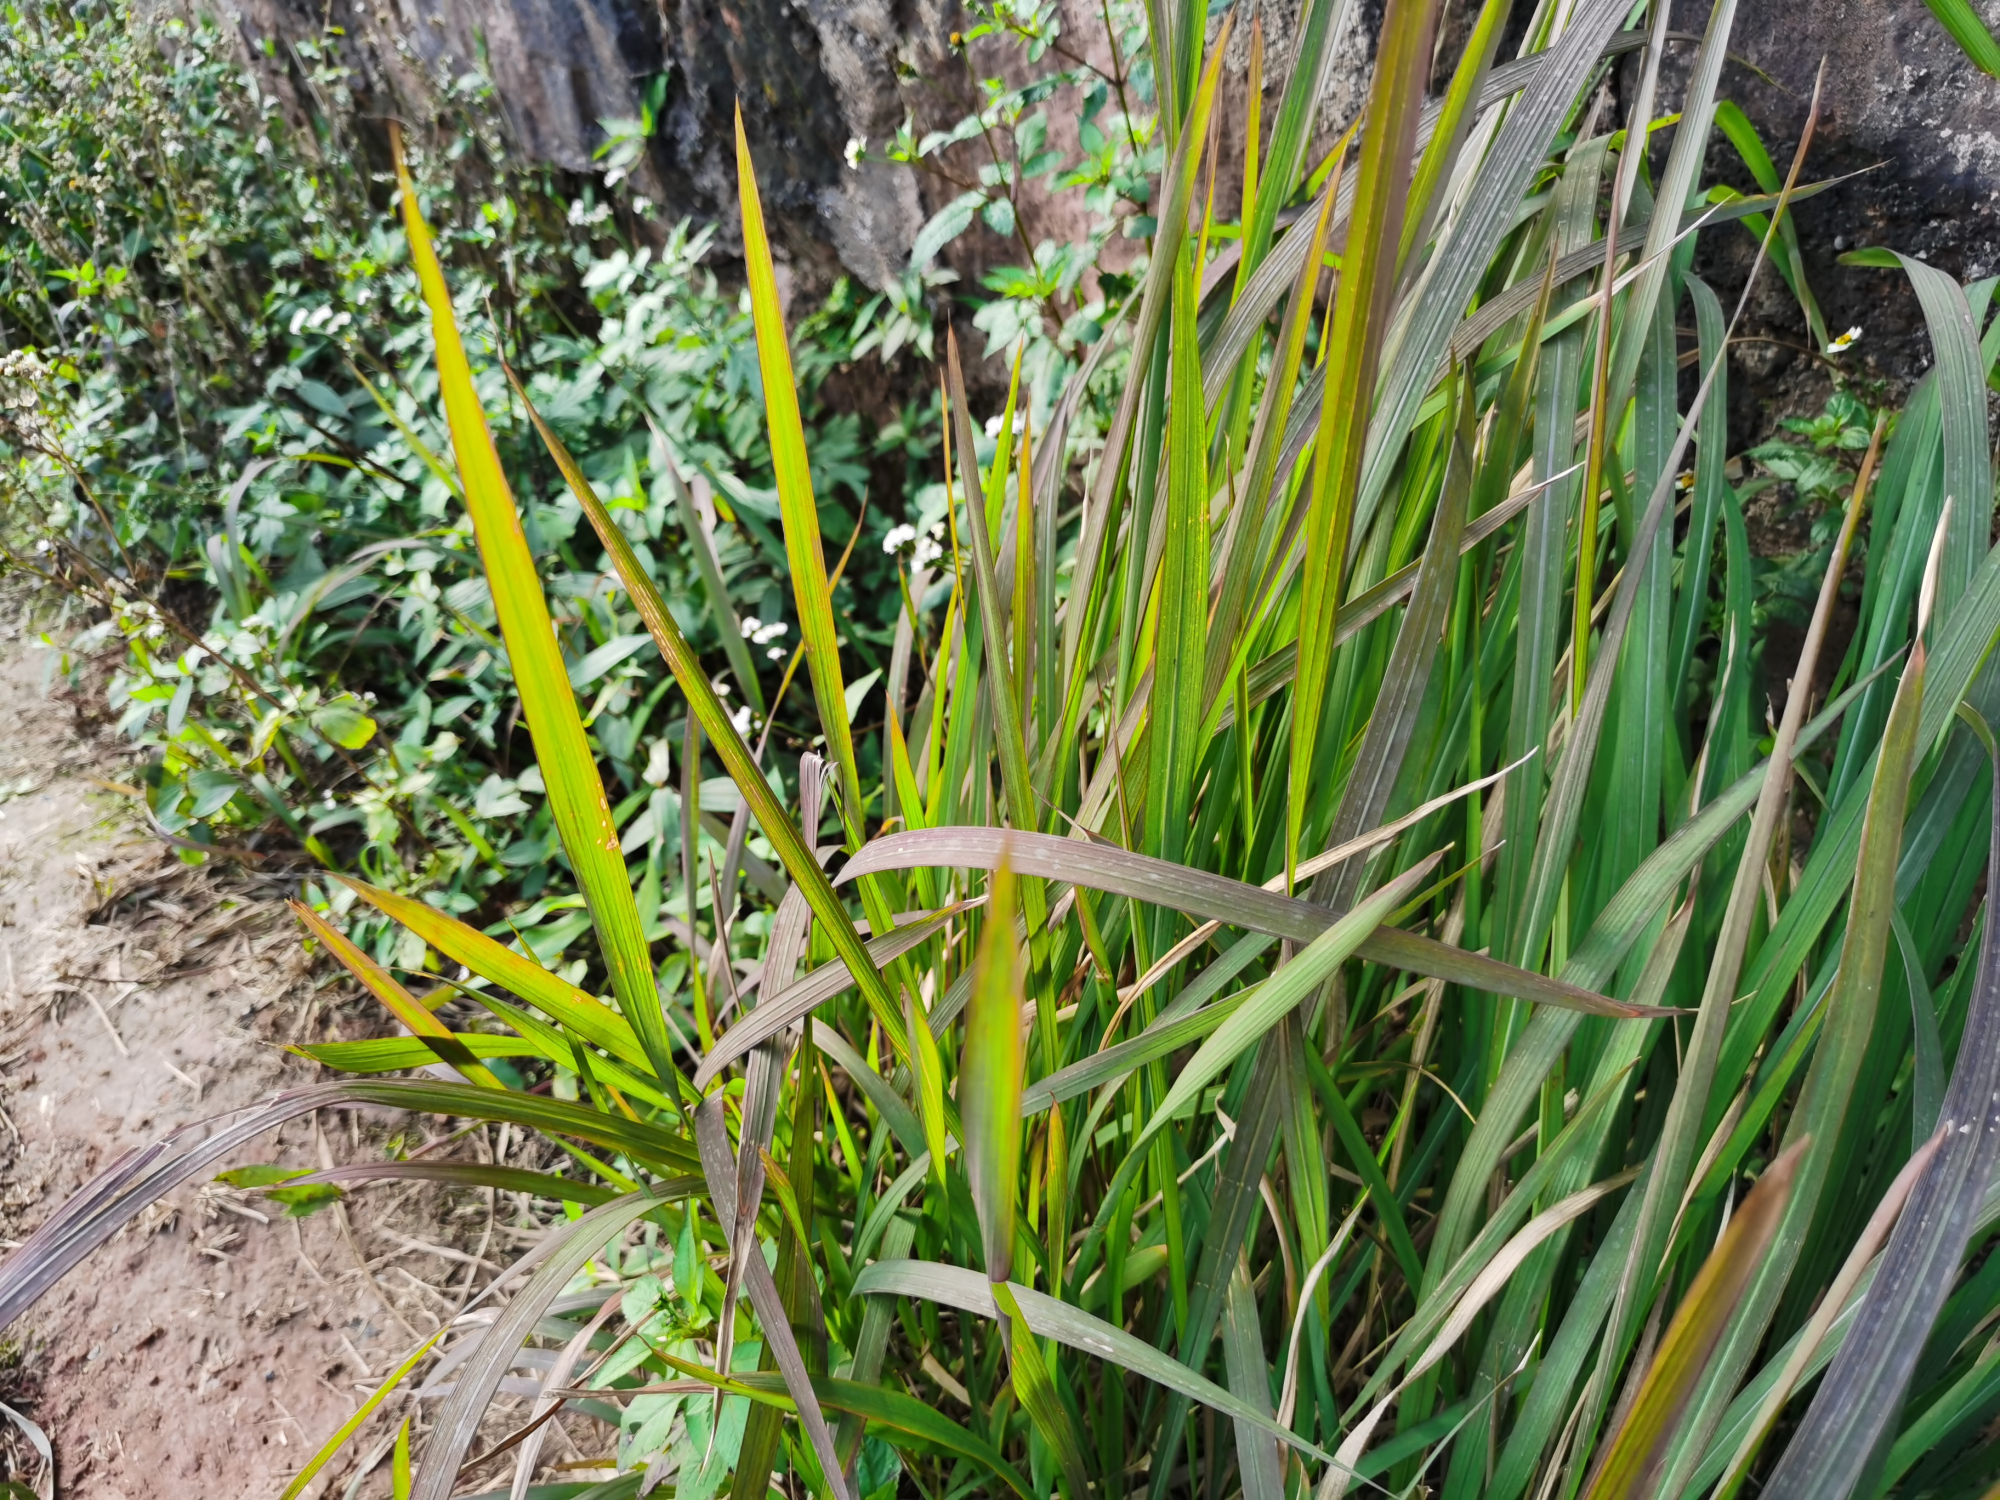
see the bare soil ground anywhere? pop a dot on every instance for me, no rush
(212, 1346)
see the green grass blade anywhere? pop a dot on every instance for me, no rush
(1181, 631)
(803, 549)
(302, 1481)
(989, 1099)
(1392, 722)
(970, 1292)
(569, 767)
(1968, 461)
(713, 718)
(1960, 19)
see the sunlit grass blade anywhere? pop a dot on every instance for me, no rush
(396, 1053)
(380, 983)
(569, 766)
(519, 975)
(302, 1481)
(707, 709)
(795, 492)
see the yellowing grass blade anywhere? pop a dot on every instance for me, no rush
(380, 983)
(989, 1079)
(714, 720)
(576, 794)
(498, 964)
(1699, 1325)
(795, 492)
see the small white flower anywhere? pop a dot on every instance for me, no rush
(776, 653)
(898, 538)
(926, 553)
(769, 633)
(658, 767)
(857, 146)
(721, 688)
(751, 625)
(42, 545)
(741, 718)
(1684, 480)
(1845, 341)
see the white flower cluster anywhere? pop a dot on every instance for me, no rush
(929, 545)
(24, 377)
(758, 633)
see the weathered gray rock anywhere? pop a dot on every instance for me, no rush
(814, 75)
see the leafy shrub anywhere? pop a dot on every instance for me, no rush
(228, 447)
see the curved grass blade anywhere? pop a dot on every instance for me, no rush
(1968, 461)
(481, 1174)
(569, 768)
(970, 1292)
(1202, 894)
(142, 1176)
(790, 1005)
(479, 1375)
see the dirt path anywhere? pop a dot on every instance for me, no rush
(211, 1347)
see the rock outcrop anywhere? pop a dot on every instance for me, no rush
(815, 75)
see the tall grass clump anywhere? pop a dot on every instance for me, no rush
(1337, 983)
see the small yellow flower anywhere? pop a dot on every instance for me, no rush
(1684, 481)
